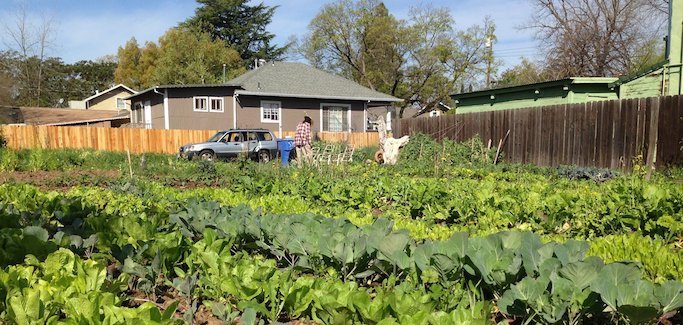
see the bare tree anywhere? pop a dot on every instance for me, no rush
(32, 42)
(419, 59)
(596, 37)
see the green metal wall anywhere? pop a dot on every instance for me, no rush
(645, 86)
(528, 98)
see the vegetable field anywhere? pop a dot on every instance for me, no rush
(89, 239)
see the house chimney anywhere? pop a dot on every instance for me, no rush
(259, 63)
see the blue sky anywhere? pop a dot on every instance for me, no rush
(86, 30)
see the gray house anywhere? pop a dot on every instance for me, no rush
(275, 96)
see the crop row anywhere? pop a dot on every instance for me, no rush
(132, 213)
(209, 254)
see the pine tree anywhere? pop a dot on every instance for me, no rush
(241, 26)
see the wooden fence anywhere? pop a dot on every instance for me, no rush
(602, 134)
(135, 140)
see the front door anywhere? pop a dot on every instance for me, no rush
(148, 115)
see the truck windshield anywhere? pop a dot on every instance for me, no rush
(216, 137)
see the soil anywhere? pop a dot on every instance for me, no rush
(57, 180)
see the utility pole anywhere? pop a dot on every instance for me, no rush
(489, 59)
(223, 72)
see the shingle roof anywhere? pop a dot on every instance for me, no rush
(180, 86)
(293, 79)
(59, 116)
(110, 89)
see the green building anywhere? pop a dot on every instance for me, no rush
(556, 92)
(659, 80)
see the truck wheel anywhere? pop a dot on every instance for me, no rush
(264, 156)
(207, 155)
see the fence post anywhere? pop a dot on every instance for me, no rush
(651, 160)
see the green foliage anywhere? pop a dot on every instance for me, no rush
(64, 287)
(659, 260)
(525, 72)
(420, 59)
(186, 56)
(130, 70)
(425, 152)
(356, 243)
(182, 56)
(241, 26)
(49, 82)
(3, 140)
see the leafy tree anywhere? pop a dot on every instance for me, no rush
(184, 57)
(128, 71)
(358, 40)
(525, 72)
(240, 25)
(61, 82)
(420, 60)
(93, 75)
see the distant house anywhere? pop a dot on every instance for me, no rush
(112, 99)
(274, 96)
(664, 78)
(563, 91)
(63, 117)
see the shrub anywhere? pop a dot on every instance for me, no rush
(426, 151)
(207, 168)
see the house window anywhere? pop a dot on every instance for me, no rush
(201, 104)
(216, 104)
(120, 103)
(335, 117)
(270, 112)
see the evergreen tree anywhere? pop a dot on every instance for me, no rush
(241, 26)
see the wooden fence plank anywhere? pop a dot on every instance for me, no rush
(137, 140)
(602, 134)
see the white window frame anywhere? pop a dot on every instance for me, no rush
(123, 103)
(348, 116)
(279, 111)
(194, 104)
(211, 99)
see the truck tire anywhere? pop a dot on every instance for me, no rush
(207, 155)
(264, 156)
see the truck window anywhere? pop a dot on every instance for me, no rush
(236, 136)
(264, 136)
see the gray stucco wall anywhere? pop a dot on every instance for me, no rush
(183, 116)
(293, 111)
(157, 103)
(248, 110)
